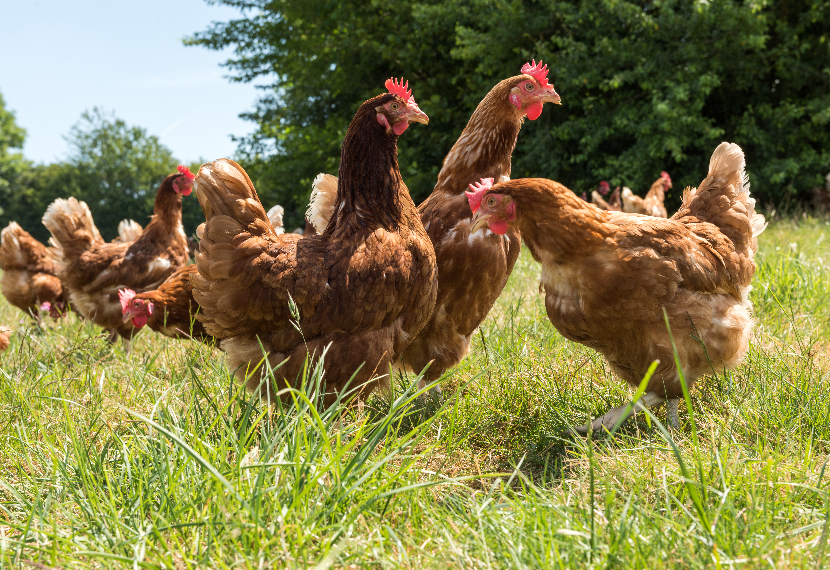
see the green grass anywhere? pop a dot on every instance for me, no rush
(160, 461)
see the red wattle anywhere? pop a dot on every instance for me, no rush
(399, 128)
(534, 110)
(498, 226)
(139, 321)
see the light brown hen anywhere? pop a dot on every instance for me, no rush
(608, 276)
(93, 271)
(652, 204)
(30, 279)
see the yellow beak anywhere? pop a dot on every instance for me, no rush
(551, 96)
(418, 116)
(479, 221)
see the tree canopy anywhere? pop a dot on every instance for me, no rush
(115, 168)
(12, 164)
(645, 86)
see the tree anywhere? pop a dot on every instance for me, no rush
(646, 86)
(114, 168)
(12, 165)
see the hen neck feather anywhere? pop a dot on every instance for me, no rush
(167, 209)
(369, 180)
(485, 147)
(555, 223)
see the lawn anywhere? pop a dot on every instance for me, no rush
(158, 460)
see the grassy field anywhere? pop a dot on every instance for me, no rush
(157, 460)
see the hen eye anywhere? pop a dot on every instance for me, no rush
(529, 86)
(394, 106)
(491, 201)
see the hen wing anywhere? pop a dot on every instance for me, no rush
(663, 252)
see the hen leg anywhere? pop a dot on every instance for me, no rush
(616, 416)
(125, 343)
(671, 413)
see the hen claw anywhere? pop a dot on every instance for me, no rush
(616, 416)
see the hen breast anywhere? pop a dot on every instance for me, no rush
(365, 291)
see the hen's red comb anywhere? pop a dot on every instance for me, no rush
(537, 71)
(399, 88)
(186, 171)
(478, 190)
(125, 296)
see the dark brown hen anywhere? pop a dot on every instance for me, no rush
(366, 286)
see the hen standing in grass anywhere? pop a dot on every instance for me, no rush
(30, 278)
(472, 270)
(93, 271)
(169, 310)
(366, 285)
(613, 204)
(608, 276)
(652, 204)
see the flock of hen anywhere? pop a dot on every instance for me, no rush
(385, 285)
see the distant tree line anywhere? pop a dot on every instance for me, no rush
(646, 86)
(113, 167)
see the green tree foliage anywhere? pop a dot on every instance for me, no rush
(12, 164)
(646, 86)
(113, 167)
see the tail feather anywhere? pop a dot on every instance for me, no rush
(231, 207)
(321, 204)
(128, 230)
(12, 255)
(598, 200)
(275, 215)
(723, 199)
(72, 228)
(19, 250)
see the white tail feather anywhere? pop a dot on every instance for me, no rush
(275, 215)
(128, 230)
(72, 228)
(11, 254)
(321, 204)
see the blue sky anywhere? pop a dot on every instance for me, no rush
(59, 58)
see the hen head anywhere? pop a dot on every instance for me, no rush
(494, 210)
(531, 90)
(135, 310)
(55, 311)
(183, 182)
(398, 108)
(666, 180)
(604, 188)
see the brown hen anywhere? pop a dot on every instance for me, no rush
(472, 270)
(366, 286)
(93, 271)
(29, 272)
(652, 204)
(169, 310)
(608, 276)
